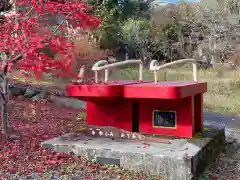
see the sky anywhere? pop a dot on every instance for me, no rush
(176, 1)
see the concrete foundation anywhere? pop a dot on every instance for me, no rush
(183, 159)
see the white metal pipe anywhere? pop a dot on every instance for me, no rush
(154, 67)
(155, 76)
(96, 76)
(97, 67)
(195, 77)
(106, 75)
(140, 71)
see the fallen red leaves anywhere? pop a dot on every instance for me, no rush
(40, 121)
(26, 155)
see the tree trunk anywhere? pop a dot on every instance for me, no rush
(4, 118)
(5, 123)
(143, 58)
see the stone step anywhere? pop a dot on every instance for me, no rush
(181, 159)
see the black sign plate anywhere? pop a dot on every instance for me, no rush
(111, 161)
(164, 119)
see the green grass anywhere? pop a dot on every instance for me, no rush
(223, 94)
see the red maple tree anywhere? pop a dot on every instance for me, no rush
(26, 35)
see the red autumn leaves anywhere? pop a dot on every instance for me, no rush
(26, 155)
(28, 33)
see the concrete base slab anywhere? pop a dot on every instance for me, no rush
(182, 159)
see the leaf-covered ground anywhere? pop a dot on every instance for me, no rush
(24, 158)
(39, 121)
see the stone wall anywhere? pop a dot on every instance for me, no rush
(32, 93)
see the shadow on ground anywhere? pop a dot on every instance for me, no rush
(230, 121)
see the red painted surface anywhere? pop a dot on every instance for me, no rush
(164, 90)
(106, 105)
(110, 89)
(185, 116)
(185, 98)
(110, 112)
(111, 104)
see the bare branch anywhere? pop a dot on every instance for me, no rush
(17, 58)
(57, 28)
